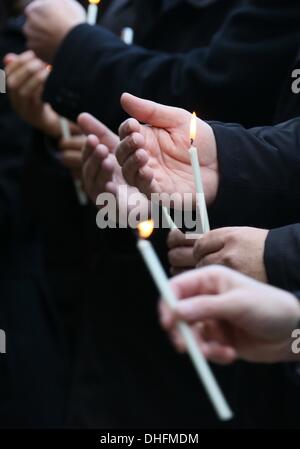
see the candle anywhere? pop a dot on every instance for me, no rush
(66, 133)
(92, 12)
(168, 219)
(65, 129)
(127, 35)
(200, 363)
(201, 204)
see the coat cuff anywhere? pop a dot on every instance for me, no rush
(282, 258)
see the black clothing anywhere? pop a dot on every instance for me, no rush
(32, 372)
(123, 378)
(235, 76)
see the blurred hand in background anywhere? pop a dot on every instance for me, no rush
(49, 22)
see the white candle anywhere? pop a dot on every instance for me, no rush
(201, 365)
(65, 129)
(92, 12)
(168, 219)
(201, 203)
(127, 35)
(66, 133)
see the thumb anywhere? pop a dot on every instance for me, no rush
(206, 307)
(90, 125)
(151, 113)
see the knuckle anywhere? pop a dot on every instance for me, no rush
(229, 259)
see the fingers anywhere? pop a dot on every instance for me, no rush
(133, 165)
(72, 160)
(181, 257)
(76, 143)
(34, 85)
(211, 242)
(130, 126)
(203, 281)
(218, 353)
(174, 271)
(152, 113)
(9, 58)
(128, 146)
(213, 345)
(14, 62)
(90, 125)
(177, 238)
(19, 76)
(210, 307)
(212, 259)
(93, 164)
(90, 146)
(98, 171)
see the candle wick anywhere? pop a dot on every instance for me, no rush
(192, 142)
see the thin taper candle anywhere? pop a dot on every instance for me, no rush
(168, 218)
(66, 133)
(201, 365)
(92, 12)
(200, 196)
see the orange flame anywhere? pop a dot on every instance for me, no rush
(145, 229)
(94, 2)
(193, 127)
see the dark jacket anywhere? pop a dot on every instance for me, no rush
(260, 187)
(122, 380)
(32, 372)
(237, 77)
(260, 184)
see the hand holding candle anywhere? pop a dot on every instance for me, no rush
(163, 164)
(203, 370)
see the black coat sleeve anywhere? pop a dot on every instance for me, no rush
(237, 78)
(259, 175)
(282, 258)
(260, 186)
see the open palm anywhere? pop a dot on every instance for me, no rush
(155, 157)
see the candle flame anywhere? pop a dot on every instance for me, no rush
(145, 229)
(94, 2)
(193, 128)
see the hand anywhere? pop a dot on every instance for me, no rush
(234, 316)
(101, 170)
(181, 252)
(71, 150)
(155, 158)
(49, 22)
(26, 76)
(239, 248)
